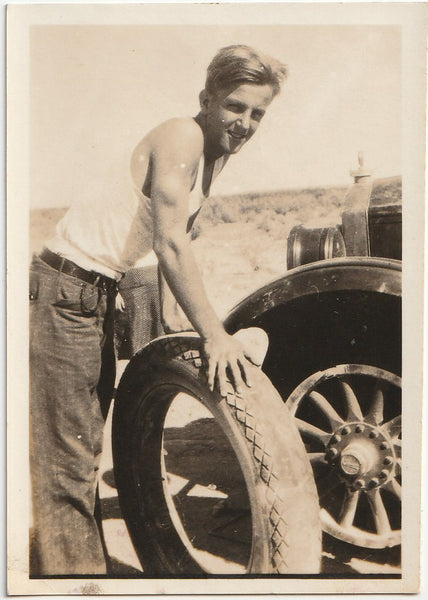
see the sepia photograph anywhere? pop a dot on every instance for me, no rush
(215, 307)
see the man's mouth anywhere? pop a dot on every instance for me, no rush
(237, 136)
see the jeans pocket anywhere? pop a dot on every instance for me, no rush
(77, 296)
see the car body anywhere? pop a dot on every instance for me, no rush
(334, 327)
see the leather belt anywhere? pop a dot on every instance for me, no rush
(63, 265)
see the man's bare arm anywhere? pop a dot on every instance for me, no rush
(172, 315)
(174, 163)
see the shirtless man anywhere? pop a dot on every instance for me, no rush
(72, 295)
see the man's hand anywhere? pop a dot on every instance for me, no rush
(174, 320)
(119, 302)
(226, 361)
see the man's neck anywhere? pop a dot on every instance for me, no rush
(210, 154)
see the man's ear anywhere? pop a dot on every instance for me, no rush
(204, 100)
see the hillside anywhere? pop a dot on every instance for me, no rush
(270, 212)
(239, 241)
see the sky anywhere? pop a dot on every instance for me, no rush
(95, 90)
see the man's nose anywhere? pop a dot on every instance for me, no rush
(244, 120)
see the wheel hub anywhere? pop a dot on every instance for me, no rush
(362, 455)
(350, 464)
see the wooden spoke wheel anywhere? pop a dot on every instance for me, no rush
(349, 418)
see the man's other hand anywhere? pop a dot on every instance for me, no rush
(173, 318)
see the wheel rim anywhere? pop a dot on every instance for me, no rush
(218, 538)
(349, 418)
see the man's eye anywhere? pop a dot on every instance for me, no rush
(236, 108)
(257, 115)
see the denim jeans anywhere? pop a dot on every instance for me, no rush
(70, 343)
(140, 322)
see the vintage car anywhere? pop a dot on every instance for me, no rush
(317, 438)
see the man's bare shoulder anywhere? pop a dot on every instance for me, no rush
(178, 141)
(179, 135)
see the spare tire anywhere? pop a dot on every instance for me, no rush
(285, 531)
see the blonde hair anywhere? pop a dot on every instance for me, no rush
(241, 64)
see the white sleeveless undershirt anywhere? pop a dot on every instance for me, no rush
(110, 234)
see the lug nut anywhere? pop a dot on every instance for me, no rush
(346, 430)
(374, 482)
(336, 438)
(359, 428)
(384, 474)
(383, 446)
(373, 434)
(388, 461)
(359, 484)
(332, 453)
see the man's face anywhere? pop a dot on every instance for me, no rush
(233, 115)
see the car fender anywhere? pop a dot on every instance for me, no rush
(378, 275)
(345, 310)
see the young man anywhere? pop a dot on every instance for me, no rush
(73, 283)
